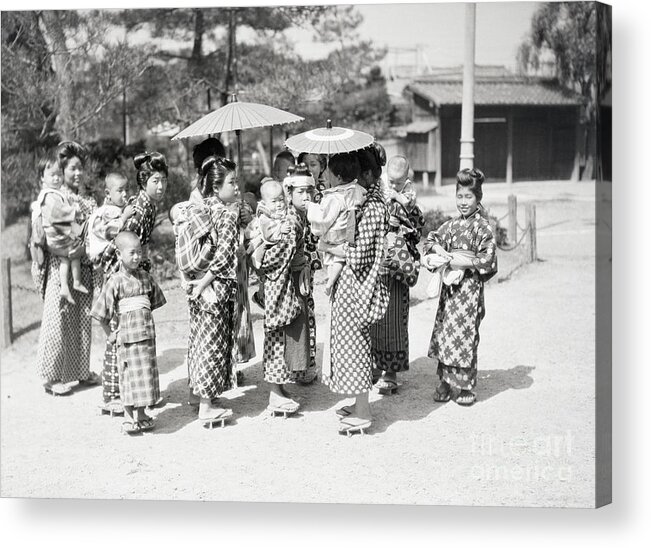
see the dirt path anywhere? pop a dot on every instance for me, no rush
(528, 440)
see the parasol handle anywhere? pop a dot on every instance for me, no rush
(328, 124)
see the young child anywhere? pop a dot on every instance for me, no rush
(331, 217)
(268, 227)
(57, 215)
(106, 221)
(400, 188)
(131, 293)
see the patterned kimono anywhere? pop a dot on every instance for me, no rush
(287, 343)
(390, 336)
(210, 345)
(455, 337)
(65, 338)
(136, 340)
(360, 299)
(142, 224)
(244, 343)
(314, 260)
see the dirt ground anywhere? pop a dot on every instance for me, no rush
(528, 441)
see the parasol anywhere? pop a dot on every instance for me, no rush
(236, 116)
(329, 140)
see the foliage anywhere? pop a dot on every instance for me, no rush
(65, 75)
(434, 218)
(568, 31)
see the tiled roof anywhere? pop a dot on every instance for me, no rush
(505, 90)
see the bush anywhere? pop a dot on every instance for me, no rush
(435, 218)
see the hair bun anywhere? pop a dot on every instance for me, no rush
(379, 153)
(70, 149)
(142, 158)
(207, 163)
(477, 175)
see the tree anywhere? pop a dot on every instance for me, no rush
(570, 33)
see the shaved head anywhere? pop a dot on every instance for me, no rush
(113, 179)
(397, 168)
(270, 189)
(126, 240)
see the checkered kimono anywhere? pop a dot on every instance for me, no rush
(136, 341)
(65, 338)
(455, 337)
(142, 224)
(360, 298)
(210, 345)
(290, 337)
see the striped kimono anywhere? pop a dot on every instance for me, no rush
(390, 336)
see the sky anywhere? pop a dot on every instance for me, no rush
(439, 28)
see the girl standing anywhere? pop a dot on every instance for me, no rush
(151, 176)
(358, 300)
(65, 338)
(390, 335)
(465, 242)
(210, 344)
(290, 335)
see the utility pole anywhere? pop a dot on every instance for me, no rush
(467, 155)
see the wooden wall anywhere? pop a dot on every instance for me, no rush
(544, 141)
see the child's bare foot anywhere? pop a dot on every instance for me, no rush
(65, 294)
(78, 286)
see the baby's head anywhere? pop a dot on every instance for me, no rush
(397, 171)
(49, 171)
(129, 249)
(273, 196)
(115, 189)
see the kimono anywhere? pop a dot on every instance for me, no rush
(390, 336)
(131, 296)
(359, 299)
(142, 224)
(210, 344)
(243, 343)
(288, 343)
(65, 338)
(455, 337)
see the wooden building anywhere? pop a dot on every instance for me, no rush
(526, 129)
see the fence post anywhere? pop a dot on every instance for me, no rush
(513, 218)
(531, 227)
(7, 321)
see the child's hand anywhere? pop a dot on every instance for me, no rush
(128, 211)
(113, 336)
(285, 227)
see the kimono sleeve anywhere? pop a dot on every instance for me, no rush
(437, 237)
(324, 214)
(106, 225)
(370, 237)
(56, 211)
(156, 297)
(105, 306)
(485, 260)
(224, 260)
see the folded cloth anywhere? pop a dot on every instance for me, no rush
(443, 272)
